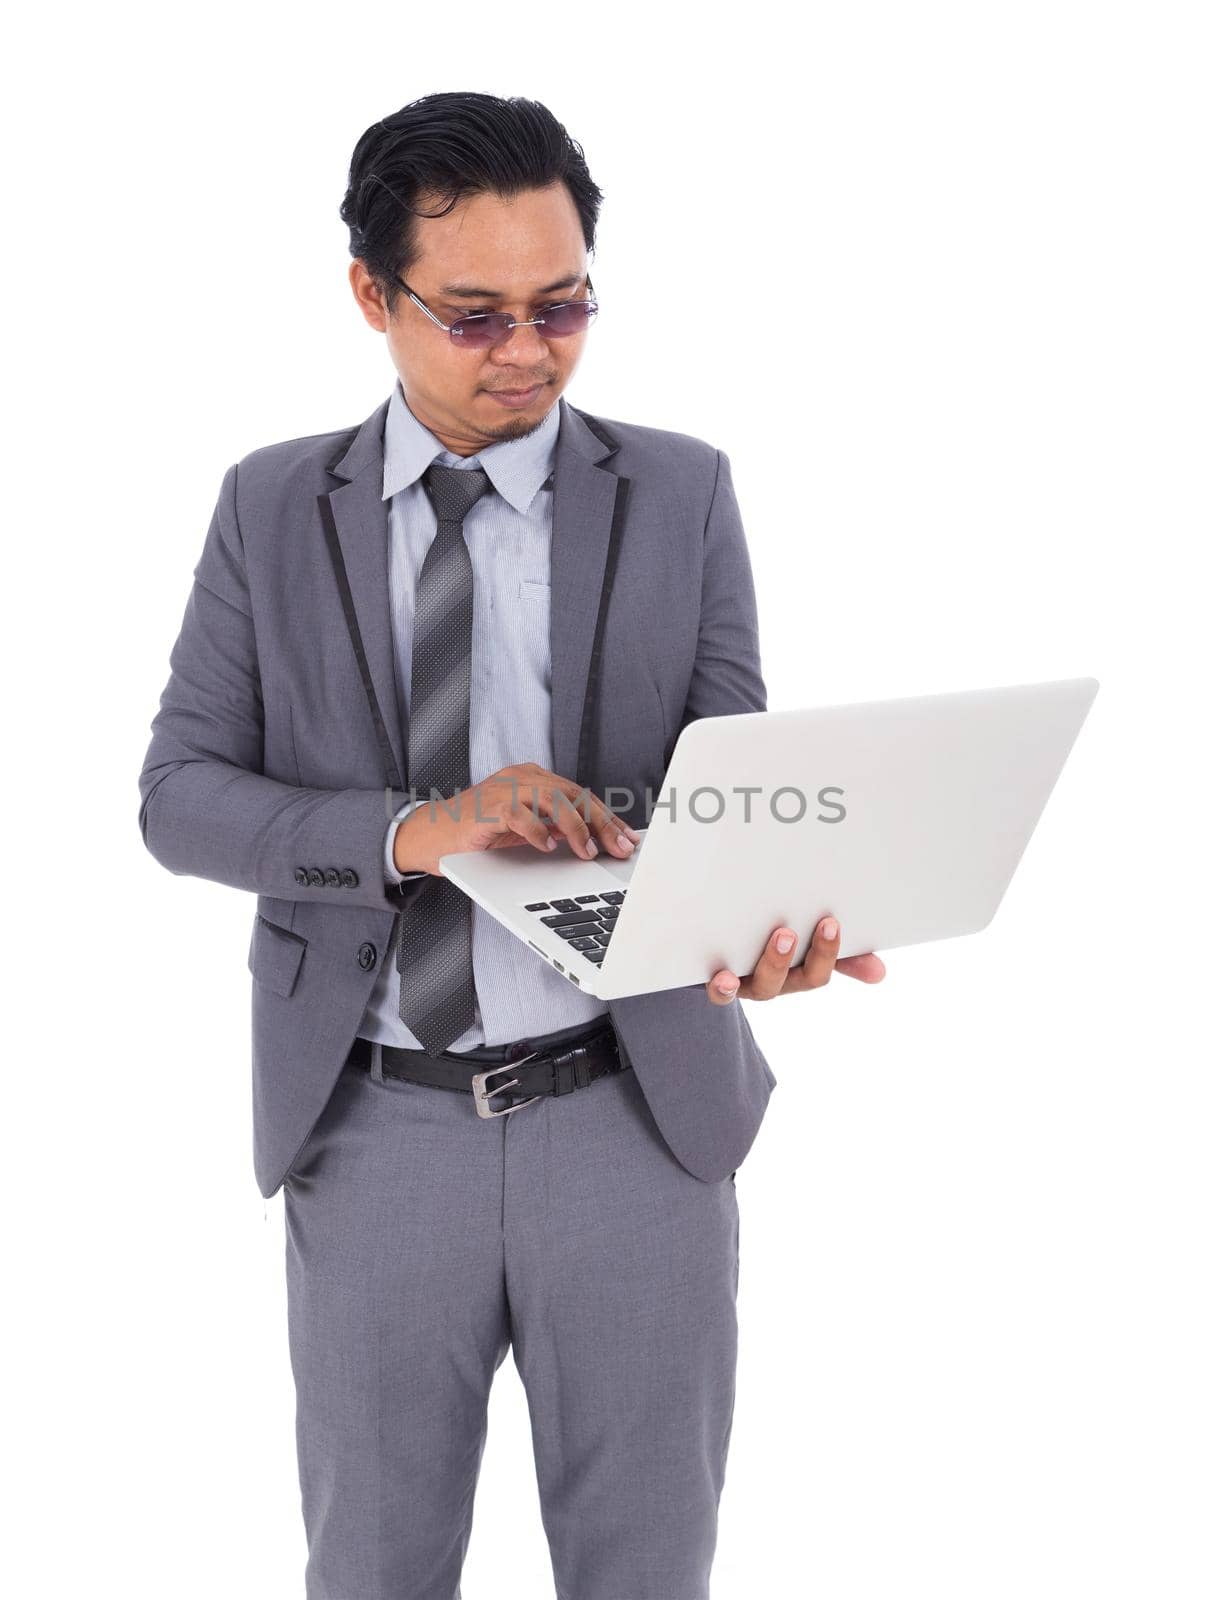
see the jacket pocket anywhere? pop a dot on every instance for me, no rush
(666, 743)
(275, 956)
(280, 743)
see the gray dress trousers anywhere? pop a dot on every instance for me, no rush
(424, 1242)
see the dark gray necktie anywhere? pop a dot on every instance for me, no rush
(434, 956)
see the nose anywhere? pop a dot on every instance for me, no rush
(522, 346)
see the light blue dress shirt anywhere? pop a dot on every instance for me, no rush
(508, 533)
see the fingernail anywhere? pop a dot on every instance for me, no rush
(552, 843)
(625, 842)
(785, 940)
(592, 849)
(726, 988)
(828, 928)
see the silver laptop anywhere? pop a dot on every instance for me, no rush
(904, 819)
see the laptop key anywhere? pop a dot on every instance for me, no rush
(613, 897)
(540, 905)
(583, 899)
(592, 955)
(563, 919)
(602, 938)
(564, 905)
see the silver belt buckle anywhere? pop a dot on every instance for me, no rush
(481, 1091)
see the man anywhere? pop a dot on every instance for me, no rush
(491, 596)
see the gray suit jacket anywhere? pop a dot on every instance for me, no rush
(276, 758)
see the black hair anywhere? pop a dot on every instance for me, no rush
(454, 145)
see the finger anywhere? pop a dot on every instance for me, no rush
(722, 987)
(602, 822)
(867, 968)
(521, 820)
(566, 819)
(770, 972)
(613, 832)
(568, 805)
(821, 957)
(528, 800)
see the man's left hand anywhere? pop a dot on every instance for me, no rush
(773, 974)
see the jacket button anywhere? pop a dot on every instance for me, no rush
(300, 875)
(367, 955)
(331, 878)
(316, 878)
(348, 878)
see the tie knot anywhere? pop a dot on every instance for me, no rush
(455, 490)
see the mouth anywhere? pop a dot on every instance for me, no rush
(516, 397)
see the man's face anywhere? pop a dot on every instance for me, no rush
(530, 253)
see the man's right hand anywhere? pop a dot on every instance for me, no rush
(520, 804)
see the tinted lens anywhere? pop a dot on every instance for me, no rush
(484, 328)
(488, 327)
(569, 318)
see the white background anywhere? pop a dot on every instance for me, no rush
(980, 1295)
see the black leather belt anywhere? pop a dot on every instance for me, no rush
(555, 1063)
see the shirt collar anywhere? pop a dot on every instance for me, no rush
(516, 467)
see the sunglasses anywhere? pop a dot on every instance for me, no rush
(479, 330)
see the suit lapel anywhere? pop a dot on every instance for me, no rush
(359, 515)
(587, 498)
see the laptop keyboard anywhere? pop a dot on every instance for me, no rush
(585, 922)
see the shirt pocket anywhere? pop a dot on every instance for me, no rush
(532, 633)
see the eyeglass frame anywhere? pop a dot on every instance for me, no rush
(530, 322)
